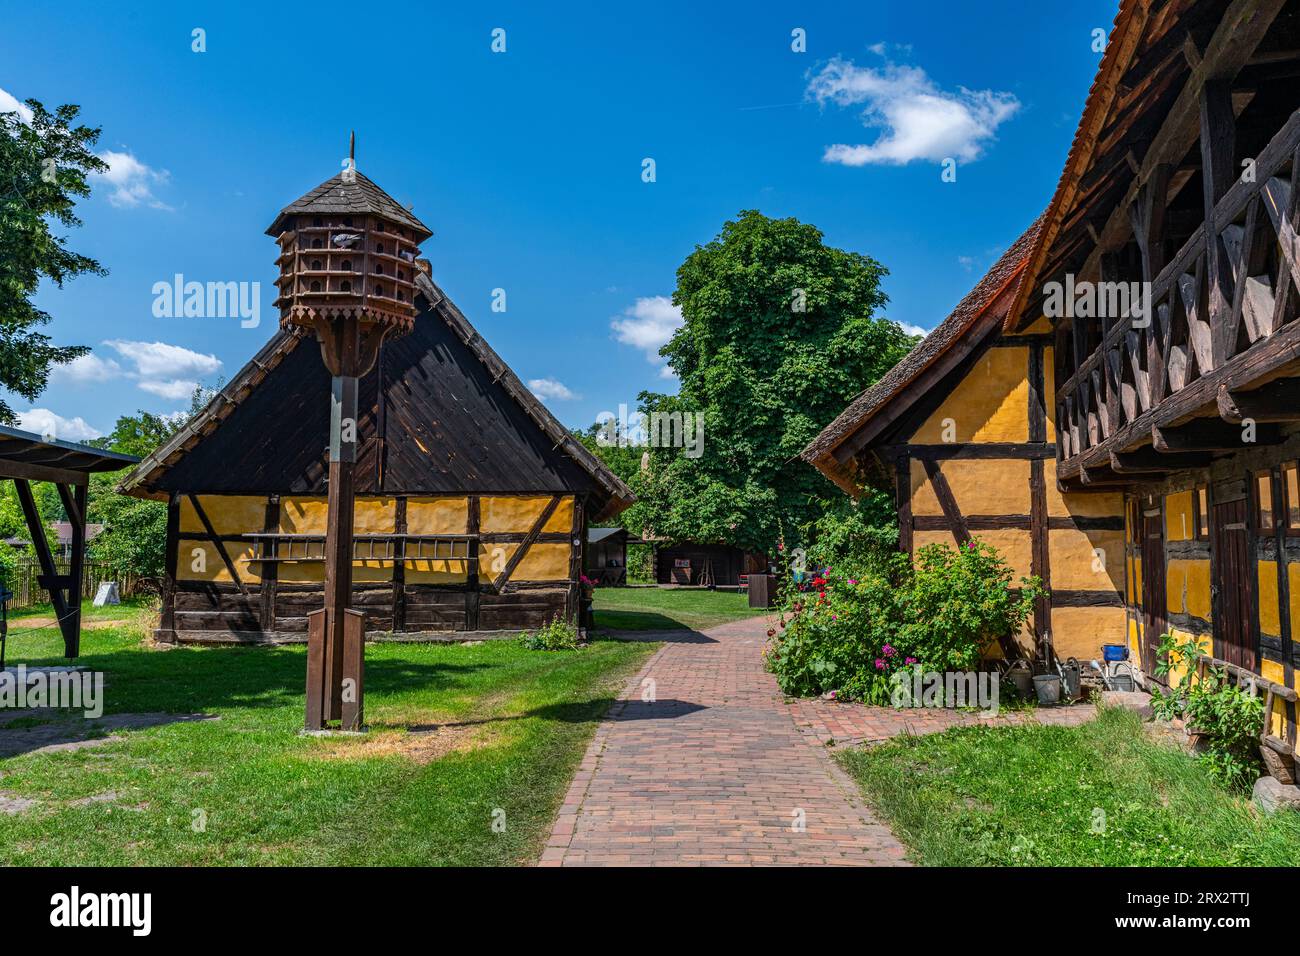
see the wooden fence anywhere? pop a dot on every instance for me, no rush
(27, 592)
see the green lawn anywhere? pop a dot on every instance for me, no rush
(510, 727)
(983, 796)
(659, 609)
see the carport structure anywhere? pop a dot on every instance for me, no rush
(26, 457)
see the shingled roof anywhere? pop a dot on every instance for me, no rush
(360, 196)
(995, 287)
(147, 480)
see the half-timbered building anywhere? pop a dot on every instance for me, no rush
(1166, 275)
(960, 430)
(472, 500)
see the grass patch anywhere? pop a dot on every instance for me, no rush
(1027, 796)
(664, 609)
(458, 732)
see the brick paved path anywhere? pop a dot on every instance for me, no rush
(715, 771)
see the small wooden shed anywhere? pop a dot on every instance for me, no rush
(26, 457)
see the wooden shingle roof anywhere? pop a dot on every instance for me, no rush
(361, 196)
(289, 457)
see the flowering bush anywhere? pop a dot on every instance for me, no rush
(849, 632)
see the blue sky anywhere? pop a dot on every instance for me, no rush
(527, 164)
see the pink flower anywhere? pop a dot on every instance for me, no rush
(880, 664)
(889, 651)
(852, 581)
(910, 661)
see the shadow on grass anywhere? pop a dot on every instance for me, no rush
(672, 633)
(191, 679)
(577, 712)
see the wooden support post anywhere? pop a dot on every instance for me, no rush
(167, 621)
(903, 499)
(270, 569)
(472, 595)
(1218, 145)
(399, 562)
(77, 515)
(49, 579)
(340, 514)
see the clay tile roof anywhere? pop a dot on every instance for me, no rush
(359, 197)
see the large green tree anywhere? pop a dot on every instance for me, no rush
(44, 165)
(781, 331)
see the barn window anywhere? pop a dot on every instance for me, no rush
(346, 286)
(1291, 490)
(315, 286)
(379, 248)
(1202, 504)
(315, 265)
(318, 220)
(400, 297)
(347, 220)
(379, 290)
(379, 268)
(1264, 500)
(315, 243)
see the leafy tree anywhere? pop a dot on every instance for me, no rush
(43, 167)
(780, 333)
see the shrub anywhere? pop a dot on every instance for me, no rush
(851, 631)
(556, 635)
(1228, 720)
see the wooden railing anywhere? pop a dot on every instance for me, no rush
(1217, 308)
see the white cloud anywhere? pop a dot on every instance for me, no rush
(84, 370)
(42, 421)
(966, 262)
(173, 389)
(916, 119)
(132, 181)
(545, 388)
(9, 104)
(168, 371)
(648, 324)
(911, 329)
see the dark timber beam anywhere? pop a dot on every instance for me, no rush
(1276, 402)
(1092, 477)
(1240, 31)
(1208, 434)
(1148, 459)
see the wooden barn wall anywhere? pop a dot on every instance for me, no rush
(519, 570)
(979, 461)
(1194, 578)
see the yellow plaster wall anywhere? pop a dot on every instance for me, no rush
(304, 515)
(229, 514)
(1272, 670)
(1270, 618)
(989, 405)
(437, 515)
(517, 514)
(210, 568)
(1293, 578)
(1076, 565)
(1015, 546)
(1180, 523)
(1085, 504)
(980, 487)
(1135, 641)
(442, 571)
(1049, 390)
(543, 562)
(1187, 587)
(1080, 631)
